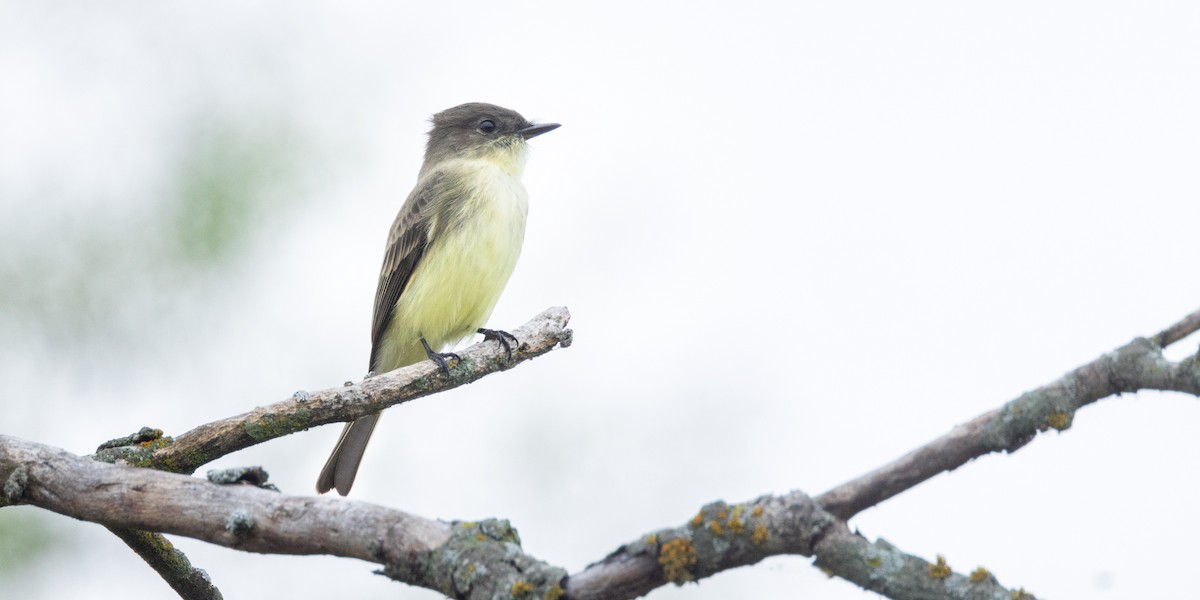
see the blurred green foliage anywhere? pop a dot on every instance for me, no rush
(92, 277)
(26, 534)
(230, 180)
(81, 272)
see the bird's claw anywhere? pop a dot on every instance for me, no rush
(502, 337)
(440, 358)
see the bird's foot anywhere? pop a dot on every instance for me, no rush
(502, 337)
(440, 358)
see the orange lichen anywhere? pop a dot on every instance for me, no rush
(677, 557)
(521, 588)
(759, 536)
(940, 570)
(736, 527)
(716, 528)
(1059, 420)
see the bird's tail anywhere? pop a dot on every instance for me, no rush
(342, 465)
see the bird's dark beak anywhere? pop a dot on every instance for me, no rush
(537, 129)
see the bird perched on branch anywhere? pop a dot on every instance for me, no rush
(449, 254)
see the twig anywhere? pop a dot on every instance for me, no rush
(1139, 365)
(1185, 327)
(308, 409)
(148, 448)
(191, 583)
(1136, 366)
(723, 536)
(174, 567)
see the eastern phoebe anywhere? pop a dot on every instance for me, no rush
(450, 252)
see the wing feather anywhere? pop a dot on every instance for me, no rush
(406, 246)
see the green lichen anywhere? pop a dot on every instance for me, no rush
(144, 434)
(500, 530)
(14, 485)
(136, 450)
(183, 463)
(269, 427)
(239, 523)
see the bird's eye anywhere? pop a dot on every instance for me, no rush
(486, 126)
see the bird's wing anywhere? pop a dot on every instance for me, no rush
(406, 245)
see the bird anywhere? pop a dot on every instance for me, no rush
(449, 254)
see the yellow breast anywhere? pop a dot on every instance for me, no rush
(464, 270)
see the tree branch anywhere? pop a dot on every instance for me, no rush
(170, 563)
(304, 410)
(174, 567)
(484, 559)
(472, 560)
(467, 560)
(723, 537)
(205, 443)
(238, 516)
(1185, 327)
(1139, 365)
(1135, 366)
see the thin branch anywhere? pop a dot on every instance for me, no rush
(191, 583)
(1139, 365)
(174, 567)
(881, 567)
(203, 444)
(723, 536)
(1185, 327)
(304, 410)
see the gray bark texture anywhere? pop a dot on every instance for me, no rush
(484, 559)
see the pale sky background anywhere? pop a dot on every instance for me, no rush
(797, 239)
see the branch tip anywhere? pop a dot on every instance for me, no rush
(1183, 328)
